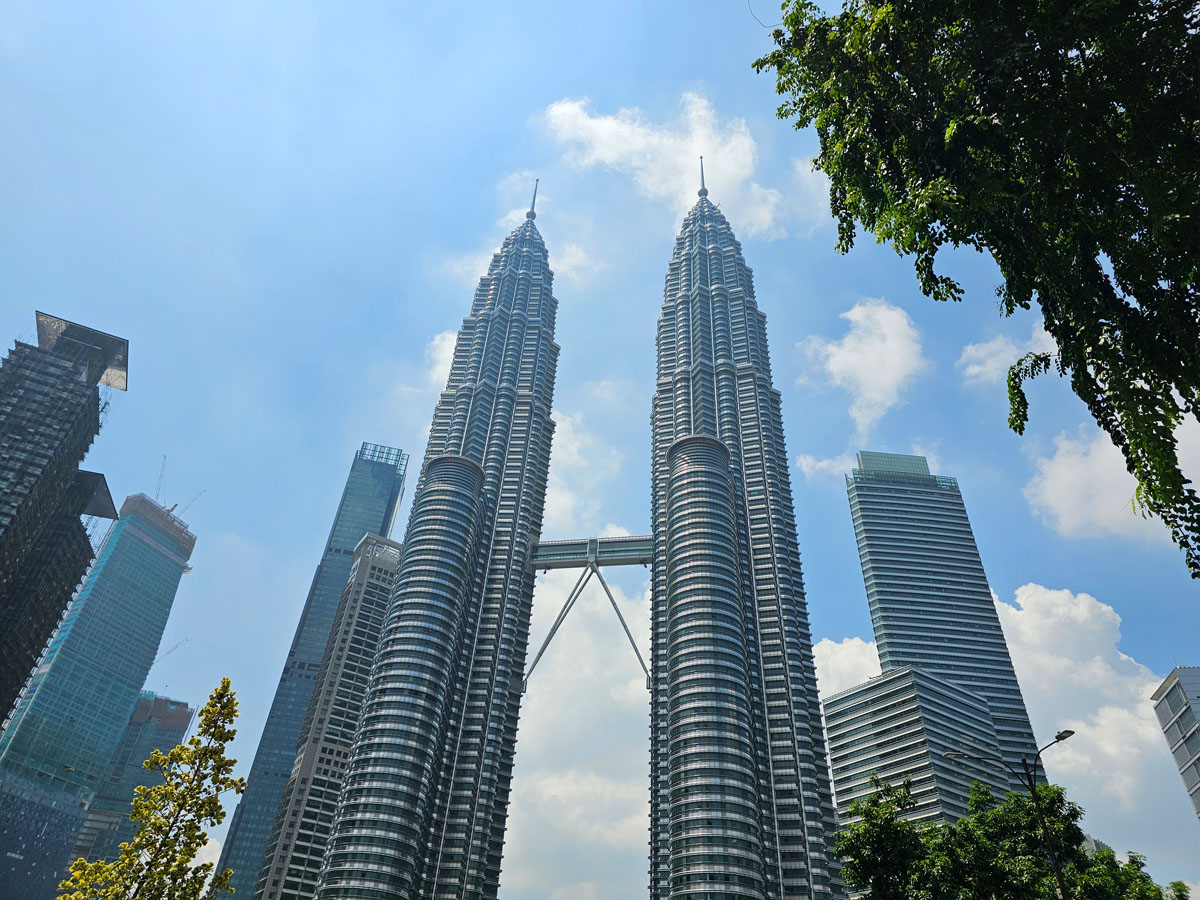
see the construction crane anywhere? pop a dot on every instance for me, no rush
(166, 653)
(186, 506)
(162, 473)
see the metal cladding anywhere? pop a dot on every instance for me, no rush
(740, 800)
(425, 800)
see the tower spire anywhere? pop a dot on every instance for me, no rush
(703, 192)
(532, 203)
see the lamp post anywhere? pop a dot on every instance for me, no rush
(1027, 775)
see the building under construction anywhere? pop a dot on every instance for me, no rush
(50, 412)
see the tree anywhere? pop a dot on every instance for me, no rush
(172, 817)
(1063, 138)
(997, 851)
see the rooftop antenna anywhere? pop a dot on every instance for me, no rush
(703, 192)
(532, 203)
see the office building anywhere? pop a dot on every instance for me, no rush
(297, 844)
(70, 719)
(1176, 704)
(897, 726)
(740, 799)
(931, 607)
(37, 829)
(51, 409)
(368, 505)
(425, 800)
(157, 723)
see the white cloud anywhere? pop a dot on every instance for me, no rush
(877, 359)
(810, 191)
(580, 464)
(1065, 648)
(843, 664)
(468, 268)
(834, 467)
(1084, 490)
(439, 354)
(988, 362)
(575, 264)
(662, 158)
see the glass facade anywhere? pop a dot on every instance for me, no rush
(931, 606)
(368, 505)
(1177, 705)
(897, 726)
(740, 801)
(425, 800)
(302, 822)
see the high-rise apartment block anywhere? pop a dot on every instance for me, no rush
(368, 506)
(71, 717)
(1177, 705)
(425, 799)
(934, 617)
(740, 799)
(157, 723)
(305, 815)
(50, 412)
(897, 726)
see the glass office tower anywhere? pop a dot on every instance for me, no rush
(740, 801)
(50, 412)
(930, 603)
(66, 728)
(368, 505)
(1176, 703)
(423, 809)
(305, 815)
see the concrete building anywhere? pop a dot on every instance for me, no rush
(897, 726)
(369, 503)
(51, 410)
(301, 831)
(1177, 705)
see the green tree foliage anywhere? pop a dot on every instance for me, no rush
(172, 817)
(997, 851)
(1062, 137)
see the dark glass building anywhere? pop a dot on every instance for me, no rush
(157, 723)
(740, 799)
(425, 799)
(368, 505)
(50, 412)
(305, 815)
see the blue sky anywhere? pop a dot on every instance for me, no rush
(284, 208)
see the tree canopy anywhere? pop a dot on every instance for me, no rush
(997, 851)
(173, 818)
(1061, 137)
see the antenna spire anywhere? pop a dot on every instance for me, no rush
(703, 192)
(532, 203)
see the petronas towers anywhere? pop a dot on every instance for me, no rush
(740, 804)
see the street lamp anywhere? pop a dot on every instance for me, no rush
(1028, 776)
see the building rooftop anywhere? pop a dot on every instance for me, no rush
(53, 332)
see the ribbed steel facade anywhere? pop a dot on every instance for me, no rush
(740, 797)
(425, 800)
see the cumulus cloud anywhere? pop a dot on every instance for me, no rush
(661, 158)
(1084, 490)
(575, 264)
(834, 467)
(876, 361)
(468, 268)
(988, 362)
(843, 664)
(580, 464)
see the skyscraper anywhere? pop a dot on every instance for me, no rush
(368, 505)
(897, 726)
(1176, 703)
(930, 603)
(66, 728)
(740, 800)
(50, 411)
(305, 815)
(423, 808)
(157, 723)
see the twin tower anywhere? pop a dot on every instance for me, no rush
(740, 801)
